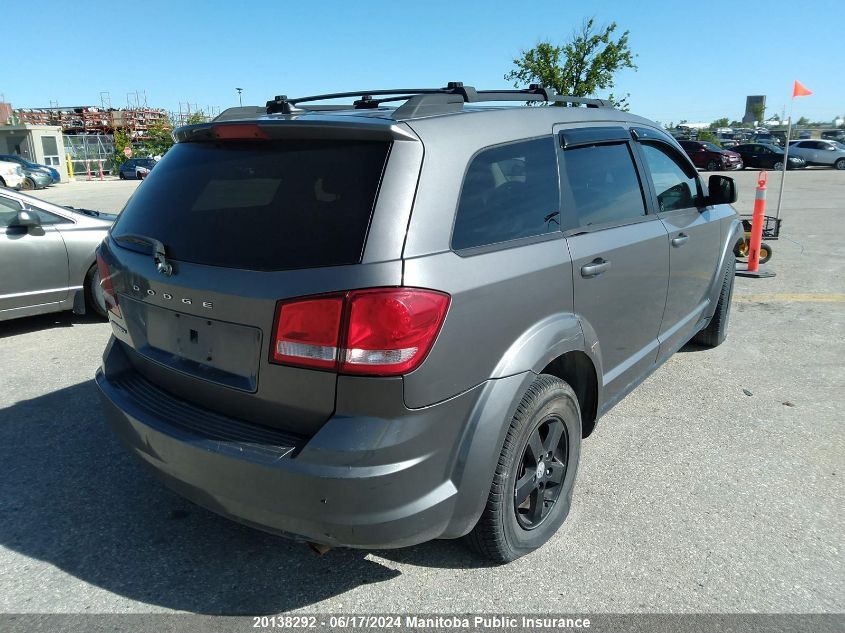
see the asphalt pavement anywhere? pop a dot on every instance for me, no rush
(716, 486)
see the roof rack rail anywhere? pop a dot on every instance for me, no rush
(420, 101)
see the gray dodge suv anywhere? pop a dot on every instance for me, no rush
(376, 324)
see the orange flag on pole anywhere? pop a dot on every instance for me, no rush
(799, 91)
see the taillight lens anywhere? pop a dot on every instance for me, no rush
(307, 332)
(390, 331)
(379, 331)
(106, 285)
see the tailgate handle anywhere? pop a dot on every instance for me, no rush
(595, 268)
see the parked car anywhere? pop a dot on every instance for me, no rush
(47, 257)
(706, 155)
(35, 179)
(826, 153)
(767, 138)
(136, 168)
(804, 134)
(319, 333)
(11, 175)
(767, 156)
(834, 135)
(33, 167)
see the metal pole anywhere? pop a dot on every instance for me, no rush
(785, 158)
(240, 99)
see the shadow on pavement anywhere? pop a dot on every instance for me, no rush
(26, 325)
(71, 496)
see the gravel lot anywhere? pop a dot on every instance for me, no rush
(717, 486)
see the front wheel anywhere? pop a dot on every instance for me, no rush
(765, 253)
(535, 475)
(777, 166)
(839, 164)
(717, 330)
(28, 184)
(713, 165)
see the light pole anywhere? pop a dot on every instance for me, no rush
(240, 99)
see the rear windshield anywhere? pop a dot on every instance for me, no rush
(272, 205)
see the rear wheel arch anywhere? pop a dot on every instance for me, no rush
(576, 368)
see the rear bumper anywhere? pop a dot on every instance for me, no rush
(372, 481)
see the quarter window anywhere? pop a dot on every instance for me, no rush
(674, 186)
(602, 184)
(509, 191)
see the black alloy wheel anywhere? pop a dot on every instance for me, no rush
(541, 472)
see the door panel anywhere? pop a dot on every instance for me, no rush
(693, 235)
(624, 304)
(33, 267)
(694, 238)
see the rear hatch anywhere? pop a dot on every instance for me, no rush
(243, 223)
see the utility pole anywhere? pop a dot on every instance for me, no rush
(240, 98)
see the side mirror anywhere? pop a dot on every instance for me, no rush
(722, 190)
(26, 218)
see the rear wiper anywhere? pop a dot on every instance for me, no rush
(162, 265)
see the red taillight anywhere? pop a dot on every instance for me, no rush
(390, 331)
(380, 331)
(239, 131)
(105, 283)
(307, 332)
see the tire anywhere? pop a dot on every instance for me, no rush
(94, 298)
(505, 531)
(28, 184)
(713, 165)
(717, 330)
(122, 176)
(741, 248)
(777, 166)
(2, 182)
(765, 253)
(839, 164)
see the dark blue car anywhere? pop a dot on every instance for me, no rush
(130, 170)
(26, 164)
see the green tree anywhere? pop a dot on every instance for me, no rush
(723, 122)
(707, 135)
(802, 122)
(158, 139)
(196, 117)
(588, 62)
(121, 142)
(759, 112)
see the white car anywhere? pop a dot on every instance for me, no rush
(830, 153)
(11, 175)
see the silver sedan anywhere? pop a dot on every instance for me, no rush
(47, 261)
(815, 152)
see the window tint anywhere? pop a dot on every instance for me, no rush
(509, 191)
(271, 205)
(675, 187)
(602, 184)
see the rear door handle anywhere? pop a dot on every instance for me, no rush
(595, 267)
(682, 239)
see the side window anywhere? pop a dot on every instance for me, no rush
(8, 210)
(509, 191)
(45, 217)
(602, 184)
(674, 186)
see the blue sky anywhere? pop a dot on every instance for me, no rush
(697, 61)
